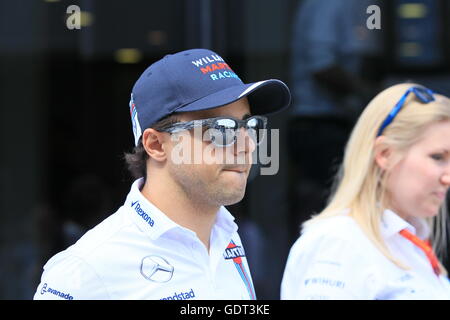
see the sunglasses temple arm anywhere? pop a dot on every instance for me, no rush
(393, 112)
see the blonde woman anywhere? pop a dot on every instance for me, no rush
(370, 242)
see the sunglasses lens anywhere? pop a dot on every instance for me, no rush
(424, 95)
(223, 132)
(255, 129)
(225, 124)
(254, 123)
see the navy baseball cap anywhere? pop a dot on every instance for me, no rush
(193, 80)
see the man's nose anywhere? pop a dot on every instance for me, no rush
(445, 179)
(244, 142)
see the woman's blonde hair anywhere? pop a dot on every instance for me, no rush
(359, 183)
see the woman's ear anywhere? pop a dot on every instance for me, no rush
(153, 143)
(383, 153)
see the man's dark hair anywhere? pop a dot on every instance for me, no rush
(136, 160)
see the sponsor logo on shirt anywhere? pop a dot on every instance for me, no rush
(181, 296)
(233, 252)
(156, 269)
(325, 282)
(144, 215)
(236, 253)
(47, 289)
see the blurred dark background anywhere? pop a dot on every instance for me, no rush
(65, 121)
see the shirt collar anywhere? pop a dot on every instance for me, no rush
(392, 223)
(225, 220)
(146, 215)
(155, 223)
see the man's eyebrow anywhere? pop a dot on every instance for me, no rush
(246, 116)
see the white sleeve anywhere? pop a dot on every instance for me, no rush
(328, 268)
(69, 278)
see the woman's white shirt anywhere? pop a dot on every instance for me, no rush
(334, 259)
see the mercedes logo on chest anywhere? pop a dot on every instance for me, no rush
(156, 269)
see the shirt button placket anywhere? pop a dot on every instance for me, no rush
(200, 252)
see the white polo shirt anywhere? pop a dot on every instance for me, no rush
(334, 259)
(139, 253)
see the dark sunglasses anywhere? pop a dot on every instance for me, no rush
(424, 95)
(222, 131)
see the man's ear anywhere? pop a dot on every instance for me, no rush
(383, 153)
(153, 143)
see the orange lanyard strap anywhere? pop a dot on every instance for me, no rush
(426, 248)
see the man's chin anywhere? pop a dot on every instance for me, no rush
(232, 197)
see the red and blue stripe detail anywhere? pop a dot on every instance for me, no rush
(243, 273)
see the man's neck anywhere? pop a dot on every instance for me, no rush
(183, 210)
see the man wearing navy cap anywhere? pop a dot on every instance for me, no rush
(195, 126)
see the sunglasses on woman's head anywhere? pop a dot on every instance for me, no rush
(423, 94)
(223, 131)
